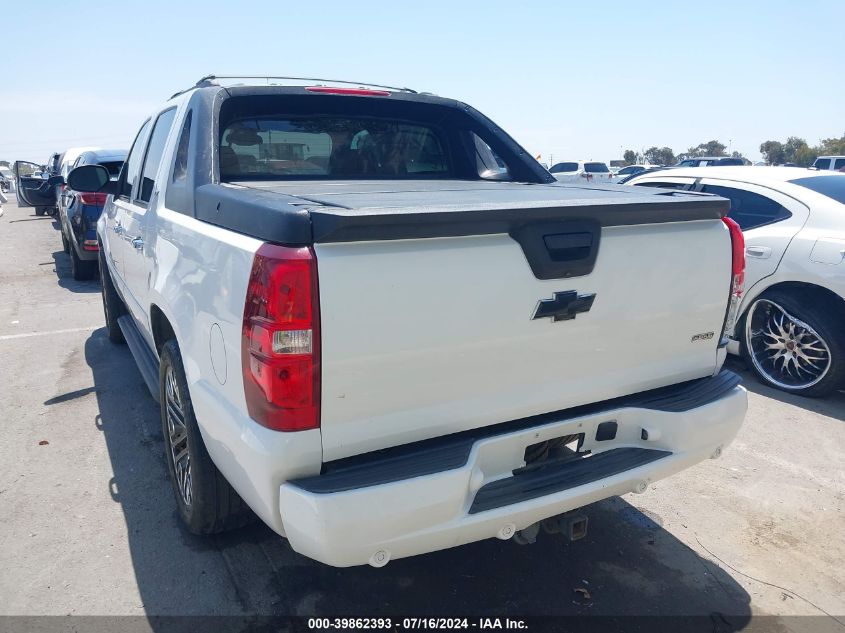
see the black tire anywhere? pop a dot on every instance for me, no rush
(81, 270)
(65, 243)
(817, 312)
(113, 307)
(207, 504)
(39, 210)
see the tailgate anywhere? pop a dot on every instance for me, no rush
(426, 336)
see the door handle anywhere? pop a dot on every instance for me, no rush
(760, 252)
(118, 228)
(138, 243)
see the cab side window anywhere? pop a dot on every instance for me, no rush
(749, 209)
(132, 167)
(154, 153)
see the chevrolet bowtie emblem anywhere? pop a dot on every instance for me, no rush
(563, 306)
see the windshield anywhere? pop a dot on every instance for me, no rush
(595, 168)
(556, 169)
(832, 186)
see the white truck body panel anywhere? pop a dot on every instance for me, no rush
(424, 514)
(428, 337)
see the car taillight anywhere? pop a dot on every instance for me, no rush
(98, 199)
(90, 245)
(737, 274)
(280, 343)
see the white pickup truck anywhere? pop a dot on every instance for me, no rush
(363, 328)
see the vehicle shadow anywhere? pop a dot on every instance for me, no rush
(628, 564)
(61, 261)
(832, 406)
(32, 218)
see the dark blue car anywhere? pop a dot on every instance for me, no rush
(79, 218)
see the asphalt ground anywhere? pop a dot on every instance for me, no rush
(88, 525)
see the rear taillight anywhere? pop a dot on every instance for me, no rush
(98, 199)
(90, 245)
(737, 274)
(280, 348)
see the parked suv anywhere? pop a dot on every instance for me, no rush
(66, 162)
(372, 318)
(79, 216)
(35, 187)
(580, 171)
(790, 329)
(833, 163)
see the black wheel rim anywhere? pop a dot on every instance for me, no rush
(177, 433)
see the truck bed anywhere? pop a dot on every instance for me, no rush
(303, 212)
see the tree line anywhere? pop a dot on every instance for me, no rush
(795, 150)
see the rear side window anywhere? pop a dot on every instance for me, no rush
(564, 167)
(595, 168)
(839, 164)
(154, 153)
(180, 164)
(133, 162)
(822, 163)
(178, 196)
(487, 162)
(749, 209)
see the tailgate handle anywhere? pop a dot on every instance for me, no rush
(567, 247)
(560, 249)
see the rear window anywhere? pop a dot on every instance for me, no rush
(331, 147)
(832, 186)
(561, 167)
(113, 167)
(595, 168)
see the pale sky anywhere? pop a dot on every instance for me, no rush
(567, 79)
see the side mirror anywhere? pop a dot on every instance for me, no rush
(90, 179)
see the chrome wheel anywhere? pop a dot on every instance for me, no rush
(783, 348)
(178, 436)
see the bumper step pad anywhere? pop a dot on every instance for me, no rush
(559, 477)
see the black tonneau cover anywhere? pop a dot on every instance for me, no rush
(307, 212)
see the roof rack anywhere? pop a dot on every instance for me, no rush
(211, 80)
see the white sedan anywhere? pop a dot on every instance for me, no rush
(791, 328)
